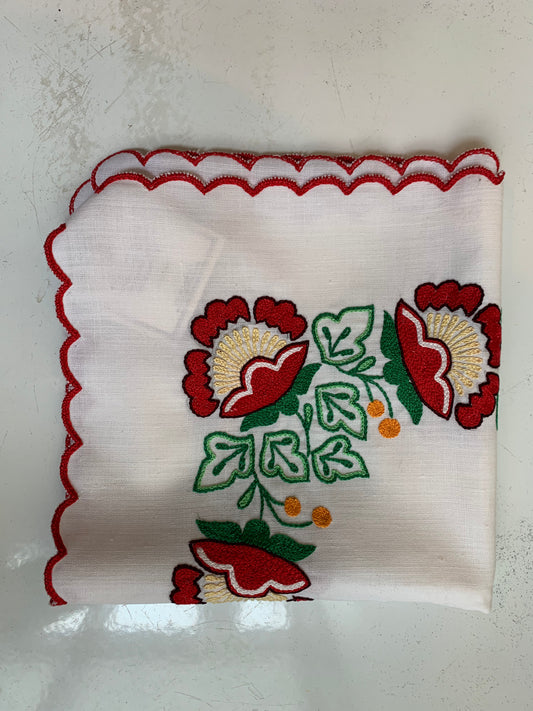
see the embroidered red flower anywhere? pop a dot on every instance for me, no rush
(249, 367)
(447, 355)
(236, 571)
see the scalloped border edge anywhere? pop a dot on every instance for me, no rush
(73, 440)
(297, 160)
(347, 189)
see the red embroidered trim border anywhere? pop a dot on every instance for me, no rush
(248, 160)
(205, 188)
(346, 162)
(73, 440)
(76, 193)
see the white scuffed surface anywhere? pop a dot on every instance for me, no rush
(81, 80)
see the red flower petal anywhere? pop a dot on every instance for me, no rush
(490, 320)
(216, 317)
(196, 384)
(450, 294)
(265, 380)
(281, 315)
(186, 588)
(249, 571)
(480, 404)
(427, 361)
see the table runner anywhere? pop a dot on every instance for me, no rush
(281, 379)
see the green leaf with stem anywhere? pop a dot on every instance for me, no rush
(227, 458)
(337, 408)
(340, 337)
(335, 459)
(246, 498)
(281, 456)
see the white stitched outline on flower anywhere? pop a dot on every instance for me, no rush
(261, 364)
(441, 350)
(228, 568)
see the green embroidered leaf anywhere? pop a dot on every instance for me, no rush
(389, 340)
(308, 415)
(335, 459)
(303, 379)
(262, 418)
(394, 372)
(288, 548)
(256, 533)
(365, 364)
(281, 456)
(340, 337)
(337, 408)
(224, 531)
(409, 398)
(246, 498)
(288, 404)
(227, 457)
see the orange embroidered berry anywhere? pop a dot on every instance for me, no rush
(389, 428)
(375, 408)
(321, 517)
(292, 506)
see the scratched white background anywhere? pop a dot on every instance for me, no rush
(83, 79)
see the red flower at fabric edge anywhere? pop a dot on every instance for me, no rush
(444, 355)
(252, 366)
(237, 571)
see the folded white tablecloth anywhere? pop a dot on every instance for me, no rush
(282, 379)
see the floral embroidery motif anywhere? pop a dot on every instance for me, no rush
(261, 377)
(442, 358)
(251, 366)
(437, 356)
(248, 563)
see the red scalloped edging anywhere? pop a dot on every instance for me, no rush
(73, 440)
(298, 160)
(248, 160)
(347, 189)
(76, 193)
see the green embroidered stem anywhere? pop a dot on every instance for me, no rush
(367, 388)
(262, 505)
(382, 390)
(372, 378)
(261, 490)
(306, 427)
(269, 497)
(270, 501)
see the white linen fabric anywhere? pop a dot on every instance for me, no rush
(397, 510)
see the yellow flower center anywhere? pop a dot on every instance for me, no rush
(462, 341)
(236, 350)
